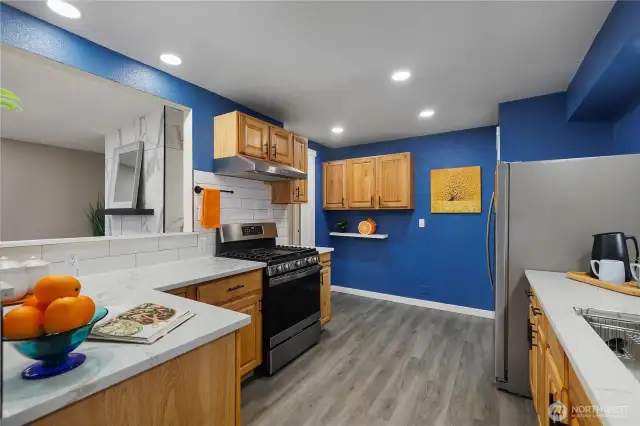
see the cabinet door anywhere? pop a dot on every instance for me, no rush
(253, 139)
(300, 156)
(361, 182)
(325, 295)
(281, 150)
(542, 398)
(334, 191)
(250, 335)
(394, 181)
(533, 352)
(300, 190)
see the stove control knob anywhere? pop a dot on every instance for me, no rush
(278, 269)
(298, 263)
(285, 266)
(309, 260)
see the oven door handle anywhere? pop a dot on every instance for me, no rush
(290, 277)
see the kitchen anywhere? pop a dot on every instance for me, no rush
(405, 312)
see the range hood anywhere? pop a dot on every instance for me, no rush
(252, 168)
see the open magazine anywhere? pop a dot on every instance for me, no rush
(144, 323)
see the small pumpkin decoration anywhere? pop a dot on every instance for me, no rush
(367, 227)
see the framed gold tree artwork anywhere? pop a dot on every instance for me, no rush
(456, 190)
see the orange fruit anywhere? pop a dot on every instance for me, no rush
(23, 322)
(34, 302)
(53, 287)
(65, 313)
(86, 306)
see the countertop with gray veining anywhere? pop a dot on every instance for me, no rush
(606, 380)
(109, 363)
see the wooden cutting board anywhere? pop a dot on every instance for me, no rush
(631, 287)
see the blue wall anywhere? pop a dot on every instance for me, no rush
(606, 85)
(443, 262)
(26, 32)
(537, 129)
(627, 133)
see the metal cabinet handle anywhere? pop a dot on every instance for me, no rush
(297, 192)
(372, 201)
(274, 151)
(535, 311)
(529, 293)
(266, 148)
(379, 200)
(238, 287)
(343, 201)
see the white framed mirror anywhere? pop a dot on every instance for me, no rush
(127, 163)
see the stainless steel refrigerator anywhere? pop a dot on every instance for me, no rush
(544, 217)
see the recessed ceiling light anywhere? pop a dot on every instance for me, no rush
(171, 59)
(63, 8)
(400, 75)
(337, 130)
(427, 113)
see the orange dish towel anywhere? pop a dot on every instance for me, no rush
(210, 208)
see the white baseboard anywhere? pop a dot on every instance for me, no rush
(415, 302)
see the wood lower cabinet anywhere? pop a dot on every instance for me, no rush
(199, 388)
(325, 288)
(241, 293)
(250, 335)
(361, 183)
(281, 145)
(551, 375)
(334, 185)
(381, 182)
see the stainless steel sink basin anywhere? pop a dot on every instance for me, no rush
(620, 331)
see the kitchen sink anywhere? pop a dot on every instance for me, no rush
(620, 331)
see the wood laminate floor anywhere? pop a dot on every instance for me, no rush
(382, 363)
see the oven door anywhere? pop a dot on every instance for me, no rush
(292, 303)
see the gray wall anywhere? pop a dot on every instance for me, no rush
(46, 190)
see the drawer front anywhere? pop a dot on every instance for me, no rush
(579, 399)
(325, 259)
(224, 290)
(557, 353)
(186, 292)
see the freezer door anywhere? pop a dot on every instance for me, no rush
(555, 207)
(502, 264)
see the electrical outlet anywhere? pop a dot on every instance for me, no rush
(421, 223)
(72, 260)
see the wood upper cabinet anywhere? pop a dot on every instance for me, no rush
(361, 182)
(300, 153)
(334, 185)
(394, 181)
(381, 182)
(281, 148)
(293, 191)
(250, 335)
(254, 137)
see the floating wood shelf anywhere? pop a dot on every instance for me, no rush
(354, 235)
(128, 212)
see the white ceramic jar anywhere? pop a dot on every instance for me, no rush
(13, 274)
(36, 269)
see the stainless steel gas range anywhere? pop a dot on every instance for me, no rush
(290, 289)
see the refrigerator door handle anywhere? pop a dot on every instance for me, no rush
(493, 287)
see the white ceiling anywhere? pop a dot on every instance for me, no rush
(63, 106)
(314, 65)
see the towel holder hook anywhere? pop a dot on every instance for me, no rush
(198, 189)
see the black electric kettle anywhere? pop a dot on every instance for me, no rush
(613, 246)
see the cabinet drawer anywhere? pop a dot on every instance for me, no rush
(186, 292)
(325, 259)
(226, 289)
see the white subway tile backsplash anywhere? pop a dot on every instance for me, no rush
(62, 268)
(230, 203)
(156, 257)
(280, 214)
(89, 250)
(256, 204)
(235, 215)
(21, 253)
(126, 245)
(193, 252)
(131, 225)
(263, 214)
(167, 242)
(106, 264)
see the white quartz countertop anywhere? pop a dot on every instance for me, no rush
(323, 250)
(109, 363)
(606, 380)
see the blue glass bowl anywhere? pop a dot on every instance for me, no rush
(53, 351)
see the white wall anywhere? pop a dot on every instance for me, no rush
(46, 190)
(250, 202)
(150, 130)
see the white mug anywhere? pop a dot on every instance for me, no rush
(635, 271)
(611, 271)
